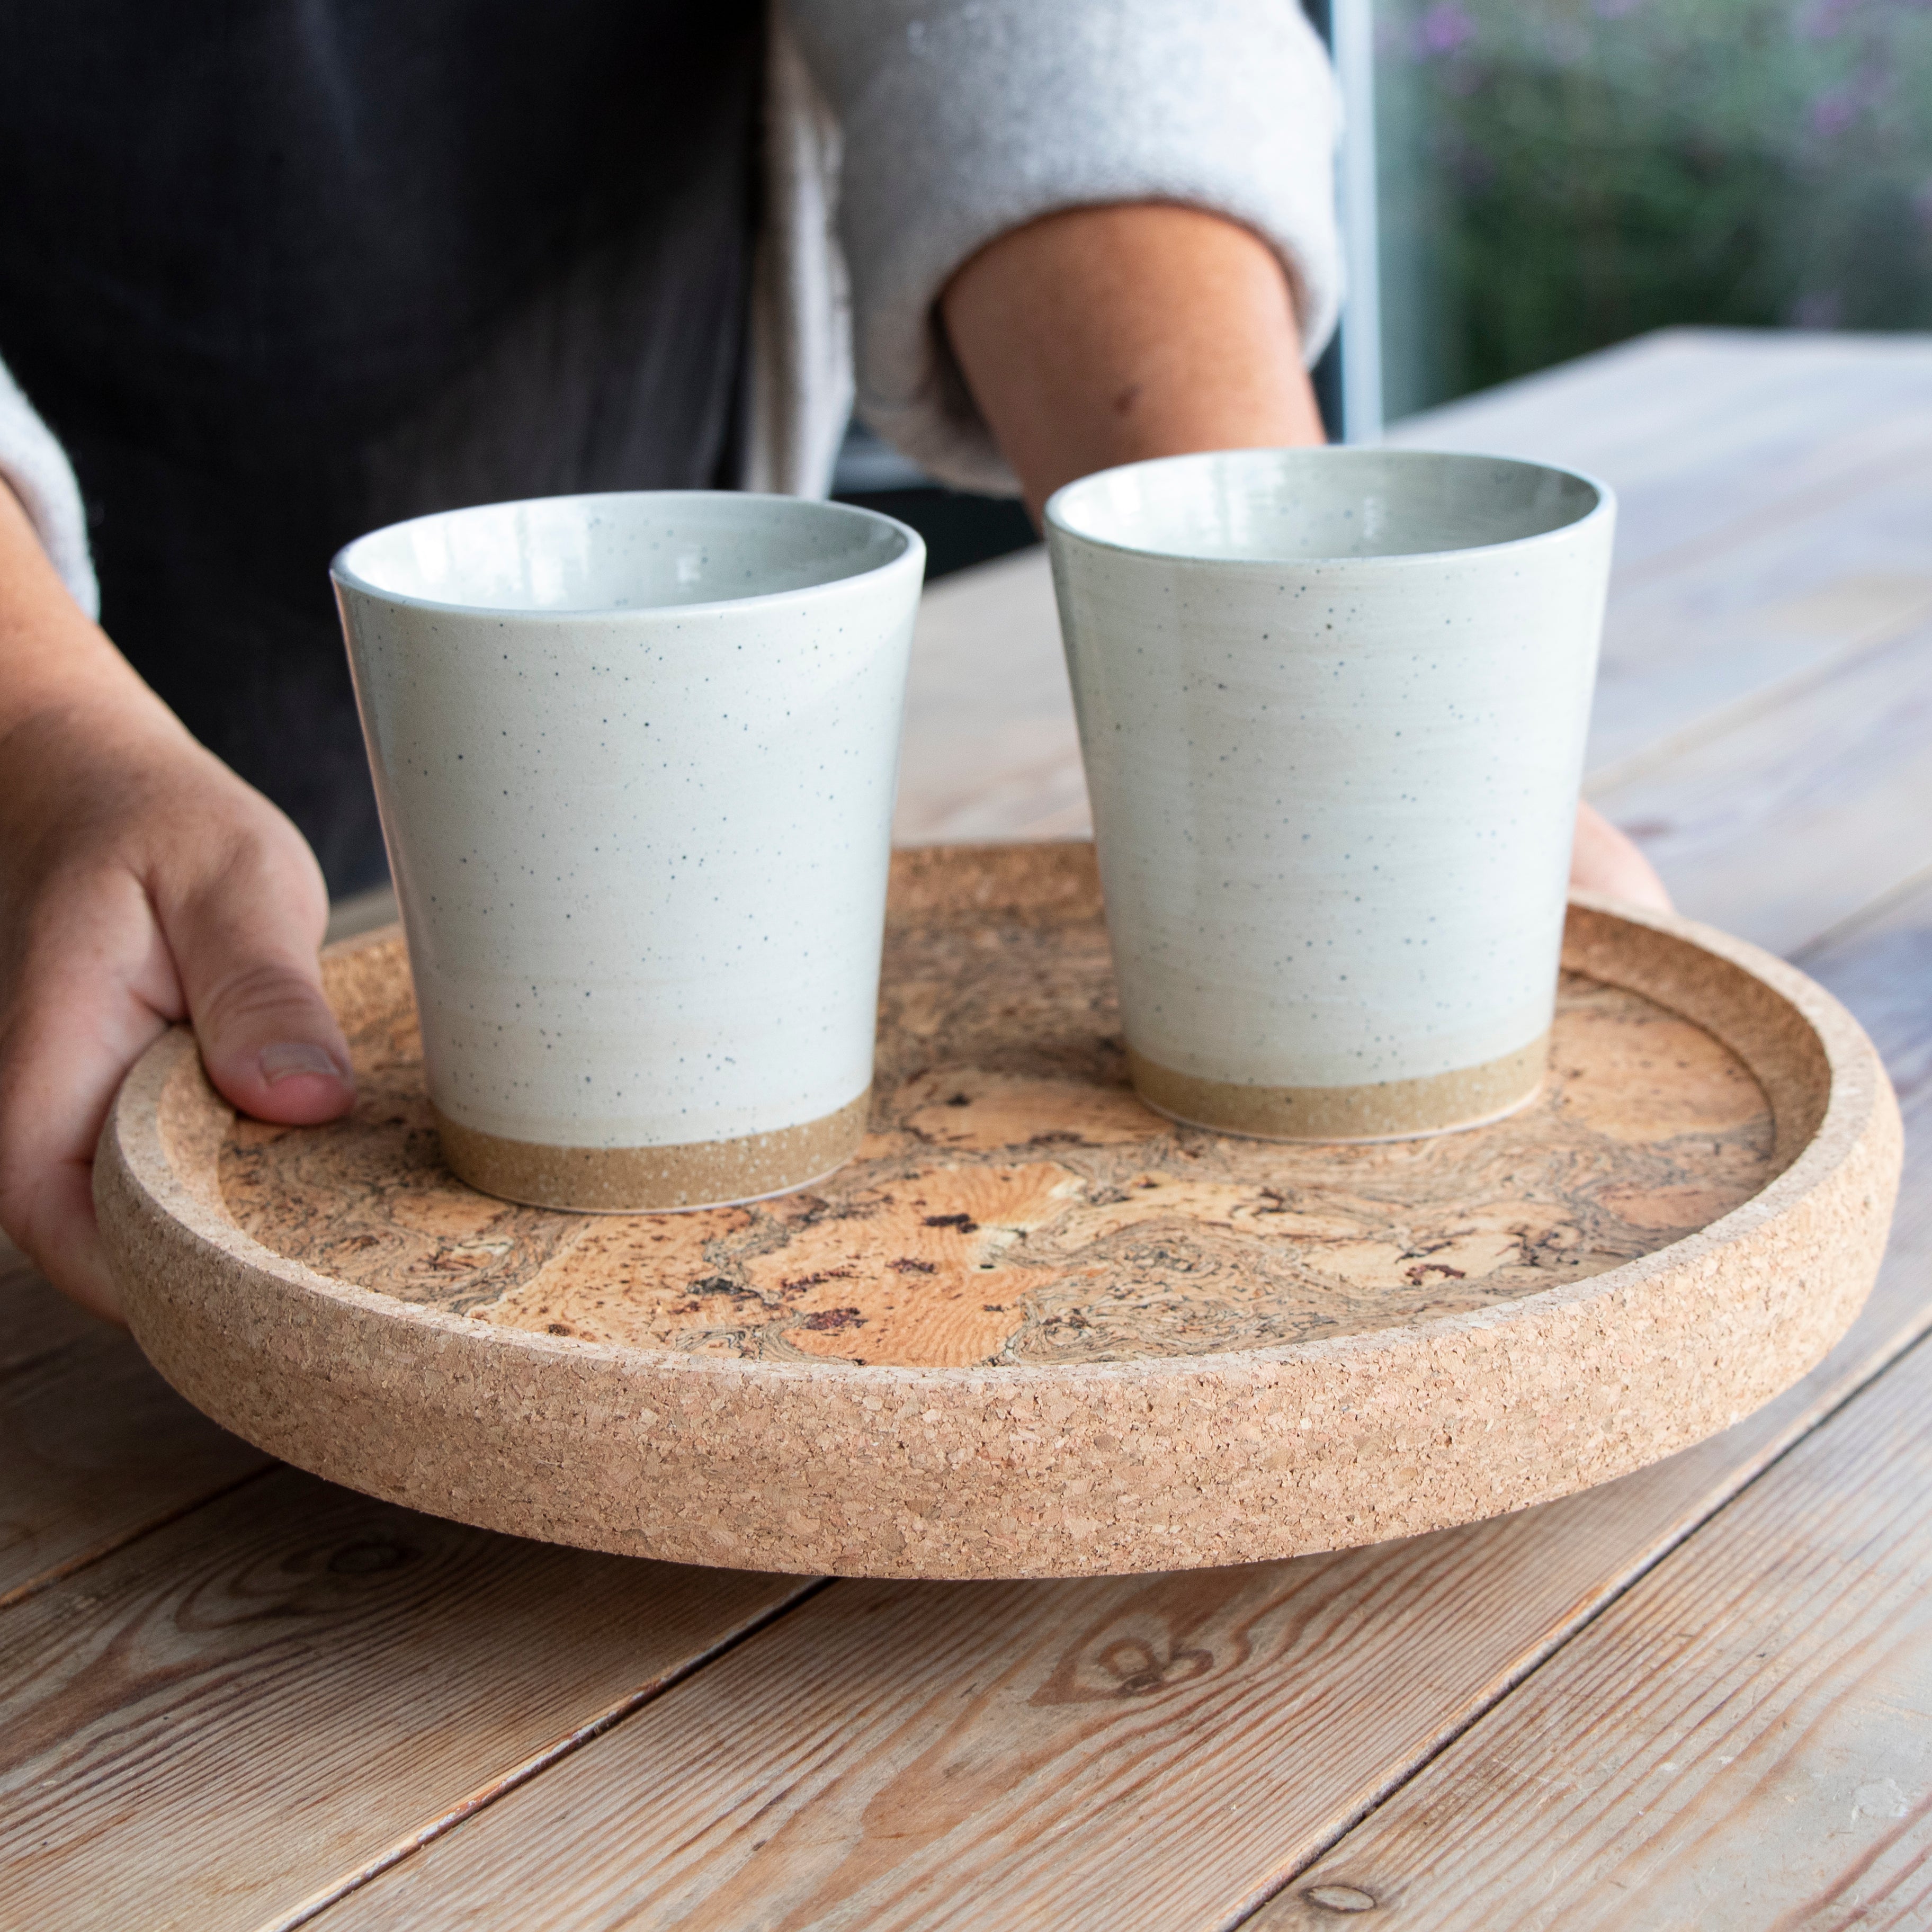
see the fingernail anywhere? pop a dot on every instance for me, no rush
(289, 1057)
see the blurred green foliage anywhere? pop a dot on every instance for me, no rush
(1559, 175)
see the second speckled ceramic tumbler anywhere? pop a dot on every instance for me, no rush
(635, 756)
(1332, 704)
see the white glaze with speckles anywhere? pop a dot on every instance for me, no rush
(636, 755)
(1333, 705)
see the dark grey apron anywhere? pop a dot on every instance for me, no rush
(277, 271)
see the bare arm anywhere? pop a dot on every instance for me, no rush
(1102, 335)
(141, 882)
(1105, 335)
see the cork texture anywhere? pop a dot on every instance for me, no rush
(1033, 1327)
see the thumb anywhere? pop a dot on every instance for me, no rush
(245, 948)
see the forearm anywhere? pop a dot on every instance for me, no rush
(1104, 335)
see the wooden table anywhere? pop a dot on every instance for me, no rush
(232, 1696)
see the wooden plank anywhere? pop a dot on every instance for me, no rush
(33, 1320)
(1787, 824)
(1704, 431)
(361, 912)
(1159, 1750)
(991, 749)
(1744, 1740)
(1882, 968)
(227, 1723)
(1552, 1765)
(1775, 490)
(1700, 651)
(95, 1449)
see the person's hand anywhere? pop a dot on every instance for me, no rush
(1604, 860)
(141, 883)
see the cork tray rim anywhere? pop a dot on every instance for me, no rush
(780, 1464)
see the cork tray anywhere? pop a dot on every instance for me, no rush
(1035, 1329)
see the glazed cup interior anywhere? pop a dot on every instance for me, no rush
(629, 551)
(1307, 506)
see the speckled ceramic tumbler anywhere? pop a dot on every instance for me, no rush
(635, 756)
(1333, 705)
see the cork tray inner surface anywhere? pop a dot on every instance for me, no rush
(1013, 1202)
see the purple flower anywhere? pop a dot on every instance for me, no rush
(1834, 111)
(1837, 107)
(1821, 19)
(1445, 29)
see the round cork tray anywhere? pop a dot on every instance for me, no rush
(1034, 1329)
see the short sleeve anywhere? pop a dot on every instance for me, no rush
(963, 119)
(34, 464)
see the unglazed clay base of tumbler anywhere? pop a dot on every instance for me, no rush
(622, 1179)
(1034, 1329)
(1332, 707)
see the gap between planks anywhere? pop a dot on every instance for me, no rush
(1740, 1742)
(501, 1785)
(112, 1544)
(1800, 820)
(1748, 705)
(247, 1713)
(1903, 1038)
(96, 1451)
(1884, 915)
(958, 1816)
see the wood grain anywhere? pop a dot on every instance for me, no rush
(1884, 972)
(33, 1320)
(1744, 1741)
(252, 1708)
(95, 1449)
(991, 748)
(1159, 1752)
(1785, 825)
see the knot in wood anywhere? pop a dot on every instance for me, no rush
(1340, 1898)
